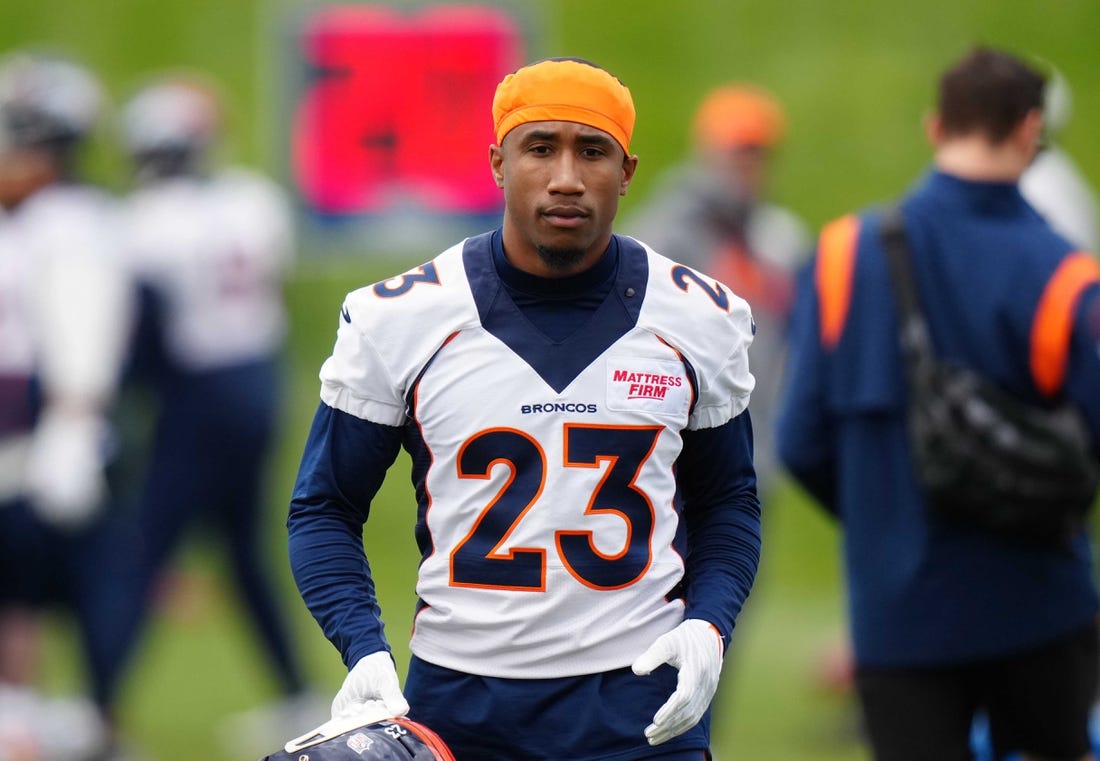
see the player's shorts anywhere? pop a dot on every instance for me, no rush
(1037, 701)
(32, 557)
(598, 717)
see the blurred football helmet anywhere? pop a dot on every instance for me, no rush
(46, 101)
(389, 740)
(1057, 103)
(171, 122)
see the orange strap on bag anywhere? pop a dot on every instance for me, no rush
(1052, 327)
(836, 257)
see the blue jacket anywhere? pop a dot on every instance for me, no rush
(1003, 294)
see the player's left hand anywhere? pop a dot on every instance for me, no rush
(695, 649)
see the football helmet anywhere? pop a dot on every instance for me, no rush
(171, 123)
(46, 101)
(389, 740)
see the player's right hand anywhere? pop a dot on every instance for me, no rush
(371, 691)
(64, 478)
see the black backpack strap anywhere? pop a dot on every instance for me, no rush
(916, 341)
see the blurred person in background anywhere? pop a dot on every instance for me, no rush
(64, 303)
(712, 212)
(1053, 183)
(1058, 190)
(210, 247)
(948, 621)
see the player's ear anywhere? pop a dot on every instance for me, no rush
(1029, 131)
(933, 127)
(496, 163)
(630, 165)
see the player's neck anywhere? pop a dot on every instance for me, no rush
(524, 256)
(975, 158)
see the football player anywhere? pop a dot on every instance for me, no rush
(575, 407)
(210, 245)
(63, 303)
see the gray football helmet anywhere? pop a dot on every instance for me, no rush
(175, 113)
(389, 740)
(46, 101)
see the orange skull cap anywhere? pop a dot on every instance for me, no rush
(564, 90)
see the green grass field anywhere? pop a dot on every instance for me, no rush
(856, 75)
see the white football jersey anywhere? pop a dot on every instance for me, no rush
(216, 251)
(16, 332)
(64, 295)
(64, 305)
(549, 494)
(1055, 186)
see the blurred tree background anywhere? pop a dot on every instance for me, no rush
(856, 76)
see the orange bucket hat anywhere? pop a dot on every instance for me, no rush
(564, 90)
(733, 115)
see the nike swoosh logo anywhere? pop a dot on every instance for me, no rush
(345, 314)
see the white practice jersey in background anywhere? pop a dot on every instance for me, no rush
(1055, 186)
(550, 489)
(64, 311)
(16, 331)
(64, 296)
(216, 251)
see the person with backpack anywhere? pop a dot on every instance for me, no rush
(952, 617)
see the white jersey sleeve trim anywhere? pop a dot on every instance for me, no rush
(355, 378)
(341, 398)
(731, 388)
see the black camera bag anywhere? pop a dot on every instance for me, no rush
(985, 458)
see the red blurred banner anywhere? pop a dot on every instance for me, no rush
(396, 108)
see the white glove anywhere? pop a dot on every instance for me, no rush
(695, 649)
(65, 480)
(371, 691)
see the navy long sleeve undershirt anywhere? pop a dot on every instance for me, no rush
(722, 514)
(343, 467)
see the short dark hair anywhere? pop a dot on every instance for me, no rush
(988, 91)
